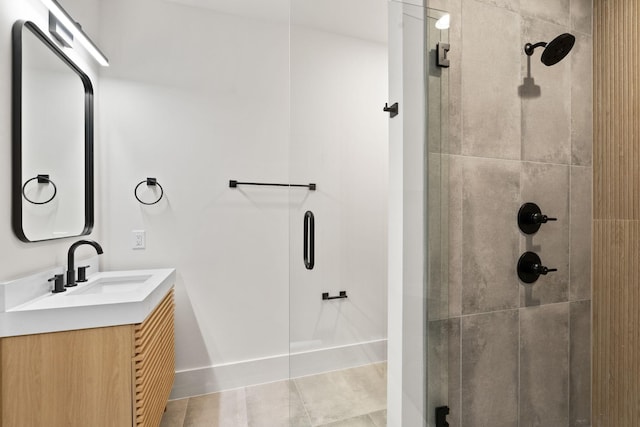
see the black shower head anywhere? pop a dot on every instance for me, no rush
(555, 51)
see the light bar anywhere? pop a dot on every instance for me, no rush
(70, 25)
(59, 31)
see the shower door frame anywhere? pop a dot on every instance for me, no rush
(418, 289)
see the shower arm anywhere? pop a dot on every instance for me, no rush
(529, 48)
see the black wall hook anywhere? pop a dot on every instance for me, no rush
(393, 110)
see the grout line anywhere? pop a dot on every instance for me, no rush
(460, 378)
(571, 269)
(467, 156)
(460, 144)
(569, 365)
(519, 364)
(304, 405)
(243, 407)
(571, 209)
(513, 308)
(186, 411)
(519, 308)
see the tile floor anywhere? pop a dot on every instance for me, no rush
(354, 397)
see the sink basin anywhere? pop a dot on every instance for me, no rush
(104, 288)
(107, 299)
(112, 285)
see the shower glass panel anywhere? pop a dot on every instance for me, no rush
(346, 62)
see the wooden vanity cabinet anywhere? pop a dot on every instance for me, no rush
(104, 377)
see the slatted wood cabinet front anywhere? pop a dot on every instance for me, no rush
(103, 377)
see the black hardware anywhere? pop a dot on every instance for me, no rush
(441, 59)
(58, 283)
(59, 31)
(343, 294)
(555, 50)
(233, 184)
(441, 416)
(71, 272)
(530, 267)
(82, 273)
(308, 250)
(530, 218)
(42, 179)
(529, 48)
(393, 110)
(151, 182)
(16, 124)
(79, 29)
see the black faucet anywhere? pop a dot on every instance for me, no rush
(71, 271)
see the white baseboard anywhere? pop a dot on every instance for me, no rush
(211, 379)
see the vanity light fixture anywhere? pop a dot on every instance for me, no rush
(59, 31)
(66, 23)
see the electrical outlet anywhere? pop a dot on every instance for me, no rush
(138, 240)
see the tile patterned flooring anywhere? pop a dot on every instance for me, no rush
(355, 397)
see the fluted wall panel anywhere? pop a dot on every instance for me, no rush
(616, 335)
(616, 110)
(616, 233)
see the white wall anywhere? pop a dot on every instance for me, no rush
(18, 258)
(339, 140)
(406, 385)
(195, 98)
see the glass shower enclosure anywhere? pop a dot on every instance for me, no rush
(368, 246)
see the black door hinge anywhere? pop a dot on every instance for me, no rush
(441, 416)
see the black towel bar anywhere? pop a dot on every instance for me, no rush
(343, 294)
(233, 184)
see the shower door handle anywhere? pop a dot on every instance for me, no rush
(308, 251)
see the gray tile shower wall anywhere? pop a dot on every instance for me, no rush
(580, 364)
(544, 365)
(519, 355)
(490, 369)
(581, 100)
(488, 268)
(580, 223)
(491, 108)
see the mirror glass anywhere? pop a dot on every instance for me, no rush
(53, 140)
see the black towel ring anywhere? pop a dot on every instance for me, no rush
(151, 182)
(42, 179)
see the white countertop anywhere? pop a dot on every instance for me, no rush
(106, 299)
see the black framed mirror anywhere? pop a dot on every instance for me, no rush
(52, 177)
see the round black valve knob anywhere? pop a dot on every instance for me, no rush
(530, 267)
(530, 218)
